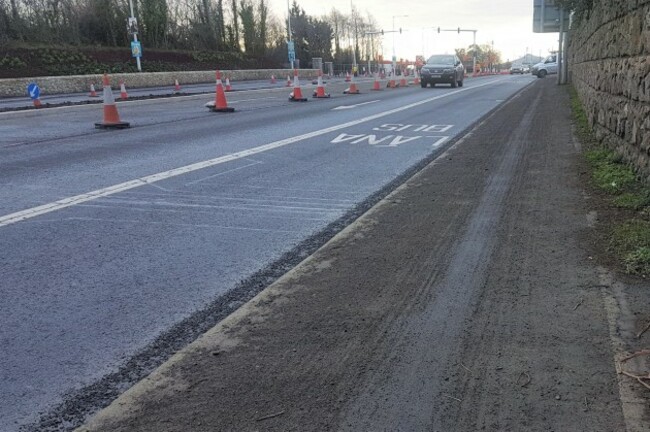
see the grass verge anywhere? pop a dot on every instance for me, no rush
(626, 195)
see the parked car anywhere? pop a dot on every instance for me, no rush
(443, 69)
(547, 67)
(516, 69)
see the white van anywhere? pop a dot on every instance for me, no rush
(547, 67)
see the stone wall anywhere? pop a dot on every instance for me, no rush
(80, 83)
(610, 68)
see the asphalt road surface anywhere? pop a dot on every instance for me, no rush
(120, 247)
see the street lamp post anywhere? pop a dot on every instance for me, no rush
(394, 57)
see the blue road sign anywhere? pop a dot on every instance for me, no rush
(292, 51)
(136, 49)
(34, 90)
(292, 56)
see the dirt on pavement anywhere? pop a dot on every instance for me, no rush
(464, 301)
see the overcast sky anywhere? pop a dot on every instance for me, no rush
(508, 23)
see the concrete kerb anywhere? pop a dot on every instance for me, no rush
(51, 85)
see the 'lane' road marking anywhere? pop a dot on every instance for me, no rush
(143, 181)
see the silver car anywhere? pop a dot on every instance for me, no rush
(547, 67)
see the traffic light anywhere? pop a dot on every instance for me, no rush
(458, 30)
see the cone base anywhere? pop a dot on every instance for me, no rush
(118, 125)
(293, 99)
(93, 96)
(224, 110)
(323, 96)
(352, 93)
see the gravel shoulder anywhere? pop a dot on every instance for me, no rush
(463, 301)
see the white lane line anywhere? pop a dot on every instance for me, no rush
(343, 107)
(143, 181)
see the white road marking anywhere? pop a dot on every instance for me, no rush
(344, 107)
(147, 180)
(222, 173)
(200, 225)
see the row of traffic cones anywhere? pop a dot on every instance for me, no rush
(124, 95)
(111, 118)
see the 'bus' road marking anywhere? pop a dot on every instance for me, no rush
(143, 181)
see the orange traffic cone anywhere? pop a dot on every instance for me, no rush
(377, 85)
(403, 82)
(416, 77)
(273, 81)
(111, 117)
(220, 103)
(37, 103)
(391, 81)
(123, 94)
(228, 86)
(347, 77)
(353, 88)
(289, 81)
(177, 86)
(93, 92)
(296, 94)
(320, 88)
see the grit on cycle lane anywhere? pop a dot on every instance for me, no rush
(448, 306)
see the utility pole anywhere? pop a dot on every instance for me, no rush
(394, 56)
(459, 30)
(135, 35)
(354, 45)
(372, 48)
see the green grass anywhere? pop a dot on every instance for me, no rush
(580, 117)
(609, 173)
(633, 200)
(638, 262)
(629, 241)
(630, 236)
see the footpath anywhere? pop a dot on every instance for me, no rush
(466, 300)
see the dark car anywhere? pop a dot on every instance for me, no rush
(443, 68)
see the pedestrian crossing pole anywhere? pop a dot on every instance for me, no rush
(135, 34)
